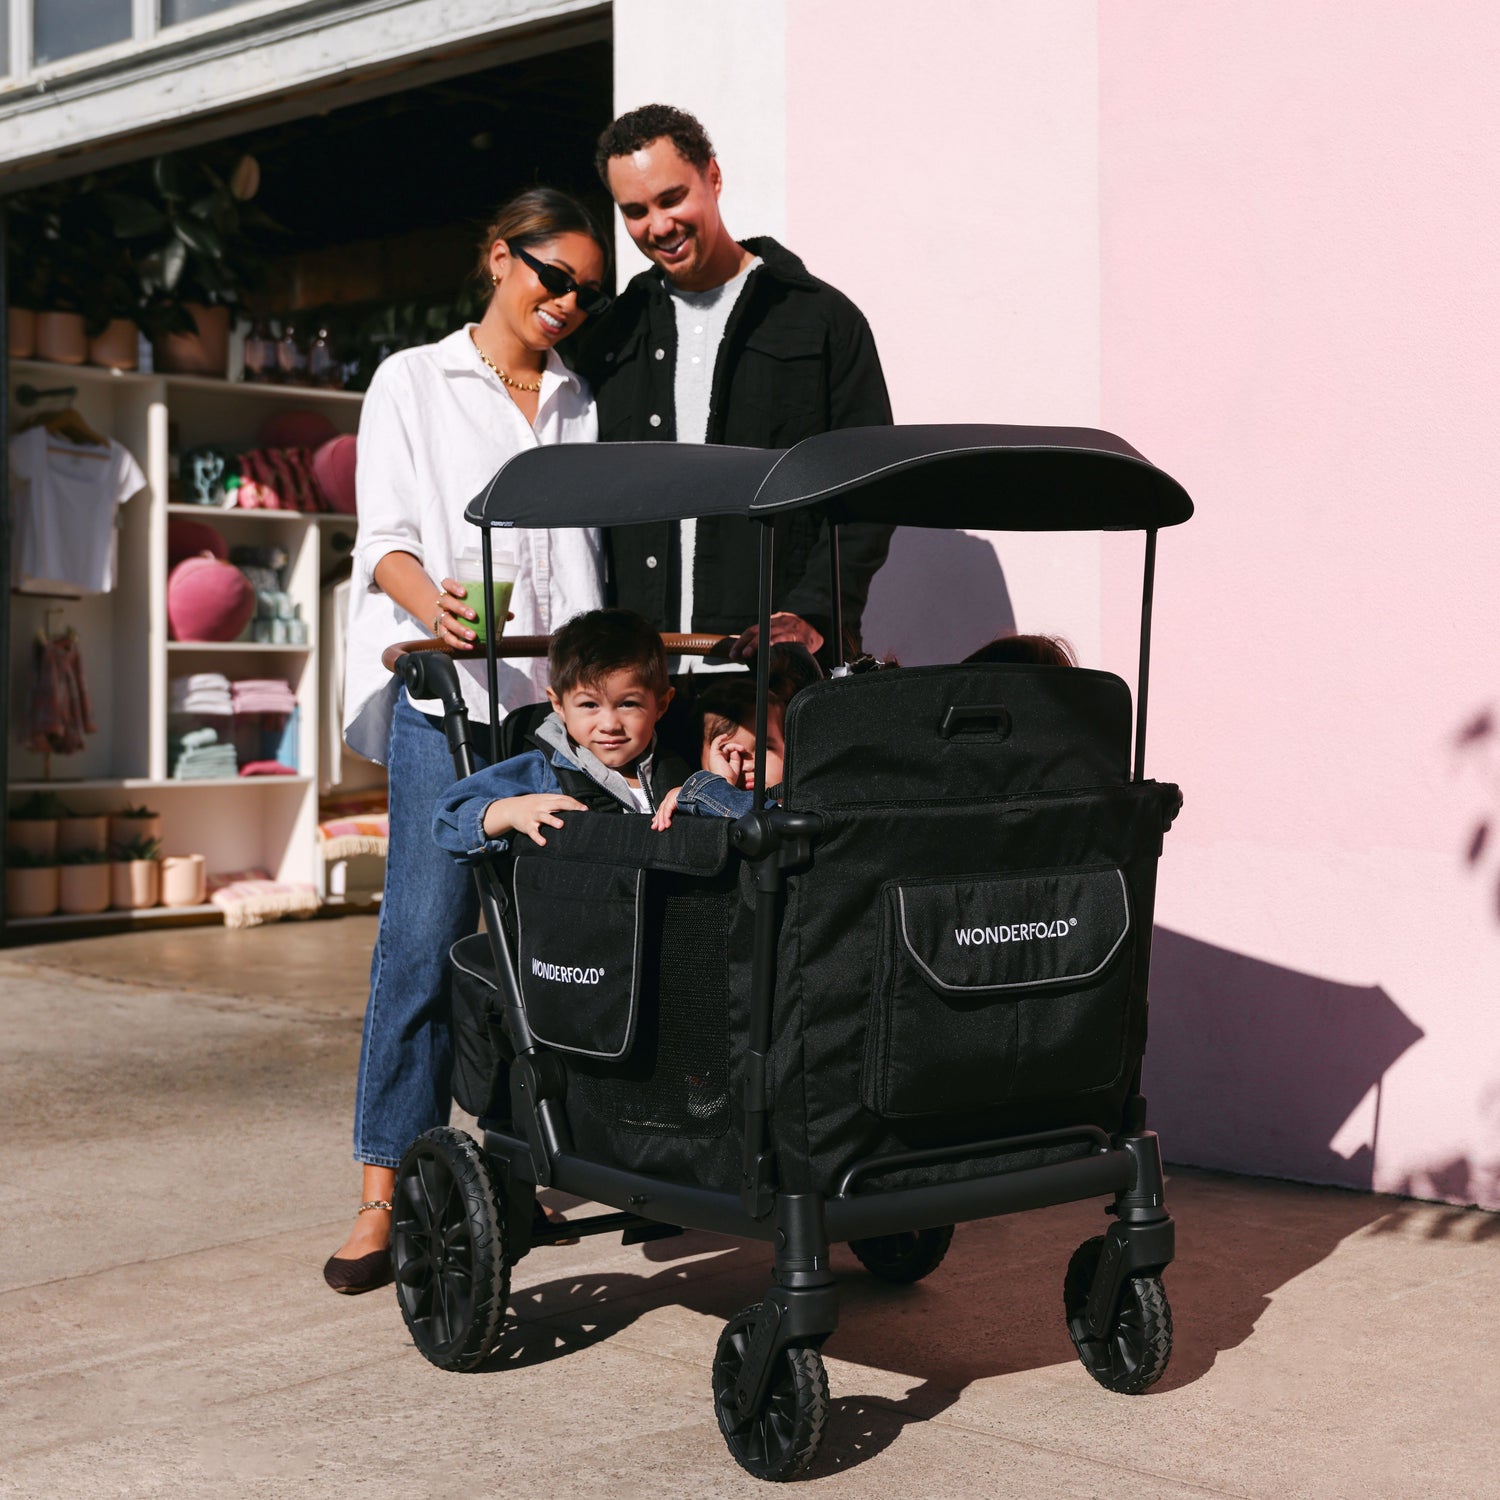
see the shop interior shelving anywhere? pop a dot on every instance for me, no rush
(238, 823)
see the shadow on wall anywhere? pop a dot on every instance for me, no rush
(940, 595)
(1255, 1068)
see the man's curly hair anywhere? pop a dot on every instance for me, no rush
(636, 130)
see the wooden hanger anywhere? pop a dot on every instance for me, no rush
(69, 425)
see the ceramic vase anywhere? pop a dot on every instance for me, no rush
(83, 889)
(123, 830)
(60, 336)
(183, 880)
(34, 836)
(31, 893)
(203, 352)
(84, 833)
(117, 347)
(20, 333)
(134, 883)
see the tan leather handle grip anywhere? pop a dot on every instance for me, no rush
(676, 643)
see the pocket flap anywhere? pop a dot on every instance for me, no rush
(786, 343)
(579, 947)
(1014, 932)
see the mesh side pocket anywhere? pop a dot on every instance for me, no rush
(675, 1082)
(481, 1052)
(994, 989)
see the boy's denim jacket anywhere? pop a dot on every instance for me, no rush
(458, 815)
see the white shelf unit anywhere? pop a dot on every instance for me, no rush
(238, 823)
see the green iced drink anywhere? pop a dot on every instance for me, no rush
(495, 608)
(470, 573)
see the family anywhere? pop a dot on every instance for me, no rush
(720, 341)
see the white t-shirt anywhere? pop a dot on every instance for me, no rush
(435, 426)
(702, 318)
(65, 498)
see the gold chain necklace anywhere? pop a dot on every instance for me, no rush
(515, 385)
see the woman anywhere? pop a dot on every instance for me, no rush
(436, 425)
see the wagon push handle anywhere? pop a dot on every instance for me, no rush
(676, 643)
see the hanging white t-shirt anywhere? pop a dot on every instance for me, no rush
(65, 499)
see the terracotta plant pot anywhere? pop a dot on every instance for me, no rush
(31, 893)
(184, 880)
(134, 883)
(123, 830)
(117, 347)
(34, 836)
(20, 333)
(60, 336)
(205, 352)
(83, 889)
(75, 834)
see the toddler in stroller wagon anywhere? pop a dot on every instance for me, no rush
(597, 749)
(911, 995)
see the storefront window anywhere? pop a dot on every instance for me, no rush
(174, 12)
(64, 28)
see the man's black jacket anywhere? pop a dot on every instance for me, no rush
(797, 358)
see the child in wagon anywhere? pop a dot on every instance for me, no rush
(725, 713)
(597, 750)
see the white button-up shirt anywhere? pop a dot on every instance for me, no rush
(435, 426)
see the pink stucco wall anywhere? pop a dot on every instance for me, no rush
(1258, 241)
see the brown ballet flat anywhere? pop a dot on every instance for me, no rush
(363, 1273)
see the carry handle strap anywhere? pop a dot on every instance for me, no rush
(975, 720)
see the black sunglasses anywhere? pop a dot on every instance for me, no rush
(592, 300)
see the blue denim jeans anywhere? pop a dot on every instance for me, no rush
(406, 1060)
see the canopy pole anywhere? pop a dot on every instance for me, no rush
(1143, 674)
(763, 657)
(492, 628)
(836, 583)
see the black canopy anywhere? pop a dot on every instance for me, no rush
(979, 478)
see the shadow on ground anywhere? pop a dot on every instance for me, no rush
(993, 1308)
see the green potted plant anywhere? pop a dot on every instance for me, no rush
(31, 884)
(83, 881)
(135, 874)
(33, 824)
(185, 223)
(133, 823)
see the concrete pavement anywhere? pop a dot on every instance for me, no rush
(174, 1108)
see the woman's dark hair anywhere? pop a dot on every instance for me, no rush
(1028, 650)
(592, 645)
(534, 217)
(635, 131)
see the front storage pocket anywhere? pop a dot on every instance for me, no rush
(579, 930)
(481, 1050)
(997, 988)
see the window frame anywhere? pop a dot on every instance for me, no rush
(147, 35)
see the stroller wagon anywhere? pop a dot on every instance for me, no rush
(911, 995)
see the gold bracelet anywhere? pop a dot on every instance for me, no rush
(377, 1203)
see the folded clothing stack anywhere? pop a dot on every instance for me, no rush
(263, 695)
(199, 755)
(202, 693)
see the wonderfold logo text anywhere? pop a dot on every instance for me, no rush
(1013, 932)
(565, 973)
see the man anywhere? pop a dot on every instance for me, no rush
(724, 341)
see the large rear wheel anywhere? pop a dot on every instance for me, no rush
(448, 1249)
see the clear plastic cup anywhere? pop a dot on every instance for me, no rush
(469, 571)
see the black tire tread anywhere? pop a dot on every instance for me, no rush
(902, 1259)
(810, 1385)
(1150, 1309)
(491, 1269)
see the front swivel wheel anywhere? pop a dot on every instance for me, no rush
(448, 1249)
(781, 1439)
(1132, 1356)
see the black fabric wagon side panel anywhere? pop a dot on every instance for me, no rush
(1047, 1067)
